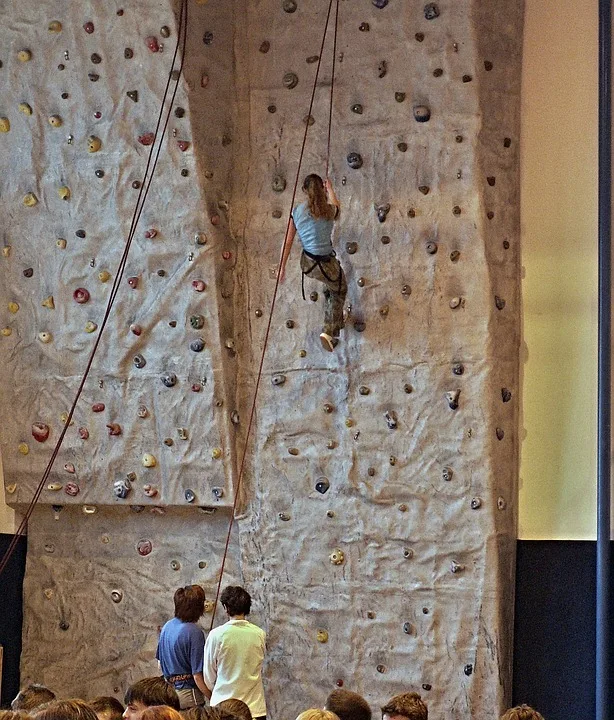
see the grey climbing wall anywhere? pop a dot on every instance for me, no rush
(376, 519)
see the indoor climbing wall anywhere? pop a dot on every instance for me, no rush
(376, 514)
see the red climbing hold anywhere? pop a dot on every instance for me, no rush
(147, 138)
(88, 27)
(183, 145)
(152, 43)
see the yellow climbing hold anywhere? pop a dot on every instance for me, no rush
(61, 243)
(11, 488)
(24, 56)
(23, 448)
(48, 303)
(149, 460)
(90, 327)
(5, 124)
(25, 108)
(45, 337)
(64, 418)
(6, 332)
(55, 121)
(64, 193)
(54, 486)
(93, 144)
(216, 453)
(6, 251)
(104, 276)
(349, 422)
(13, 307)
(55, 26)
(30, 200)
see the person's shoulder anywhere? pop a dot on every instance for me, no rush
(299, 210)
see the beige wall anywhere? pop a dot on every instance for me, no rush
(559, 251)
(7, 516)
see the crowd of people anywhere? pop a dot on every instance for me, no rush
(217, 678)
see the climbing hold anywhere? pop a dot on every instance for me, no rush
(382, 212)
(293, 451)
(364, 27)
(40, 431)
(122, 488)
(165, 31)
(216, 453)
(402, 147)
(152, 43)
(289, 6)
(93, 144)
(139, 361)
(133, 282)
(456, 302)
(71, 489)
(476, 503)
(431, 11)
(382, 69)
(114, 429)
(278, 184)
(45, 337)
(357, 108)
(183, 145)
(467, 78)
(456, 567)
(431, 247)
(422, 113)
(128, 53)
(391, 419)
(90, 326)
(501, 503)
(88, 27)
(337, 557)
(278, 379)
(197, 345)
(199, 285)
(380, 4)
(290, 80)
(24, 56)
(285, 517)
(458, 368)
(452, 396)
(64, 193)
(169, 379)
(55, 26)
(95, 58)
(55, 121)
(144, 547)
(456, 210)
(6, 332)
(322, 485)
(197, 321)
(5, 124)
(149, 461)
(364, 390)
(150, 491)
(218, 492)
(499, 302)
(424, 189)
(25, 109)
(500, 433)
(81, 295)
(98, 407)
(399, 96)
(13, 307)
(84, 433)
(354, 160)
(506, 395)
(142, 411)
(208, 38)
(30, 200)
(147, 138)
(54, 487)
(313, 296)
(406, 290)
(447, 473)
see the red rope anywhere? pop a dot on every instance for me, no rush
(140, 202)
(268, 327)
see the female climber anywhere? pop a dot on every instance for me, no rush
(313, 219)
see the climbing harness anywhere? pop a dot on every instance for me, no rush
(318, 260)
(148, 176)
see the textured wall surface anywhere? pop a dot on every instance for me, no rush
(420, 516)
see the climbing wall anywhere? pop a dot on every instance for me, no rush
(376, 515)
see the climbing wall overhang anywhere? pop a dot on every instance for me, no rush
(400, 574)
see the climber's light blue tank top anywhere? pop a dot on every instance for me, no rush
(315, 234)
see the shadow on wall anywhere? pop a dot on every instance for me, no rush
(11, 615)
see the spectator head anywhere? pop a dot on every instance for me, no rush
(236, 600)
(161, 712)
(317, 714)
(31, 697)
(189, 603)
(65, 710)
(522, 712)
(237, 708)
(206, 712)
(146, 693)
(406, 706)
(107, 708)
(348, 705)
(14, 715)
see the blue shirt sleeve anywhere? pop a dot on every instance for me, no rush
(197, 651)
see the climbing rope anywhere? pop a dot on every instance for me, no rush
(138, 209)
(275, 291)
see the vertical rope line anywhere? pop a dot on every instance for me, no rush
(268, 327)
(332, 88)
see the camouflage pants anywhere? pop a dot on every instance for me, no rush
(330, 273)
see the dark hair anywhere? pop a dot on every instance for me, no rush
(152, 691)
(409, 705)
(161, 712)
(31, 697)
(66, 710)
(522, 712)
(14, 715)
(348, 705)
(236, 707)
(236, 600)
(317, 200)
(207, 712)
(189, 603)
(107, 705)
